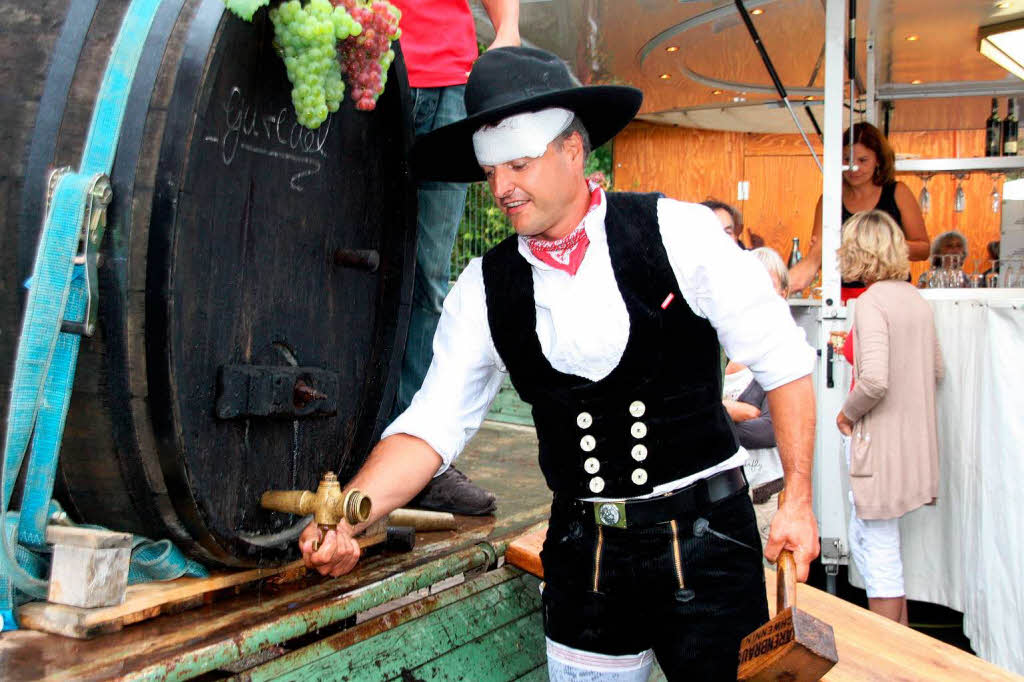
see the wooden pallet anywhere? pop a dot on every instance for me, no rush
(870, 647)
(146, 601)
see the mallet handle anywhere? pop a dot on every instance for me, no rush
(785, 588)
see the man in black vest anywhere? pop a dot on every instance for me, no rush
(606, 310)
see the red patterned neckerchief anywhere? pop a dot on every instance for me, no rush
(567, 253)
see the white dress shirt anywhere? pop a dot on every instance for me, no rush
(583, 326)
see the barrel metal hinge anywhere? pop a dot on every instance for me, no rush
(276, 391)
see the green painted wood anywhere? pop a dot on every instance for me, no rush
(423, 640)
(498, 656)
(221, 652)
(509, 408)
(538, 674)
(331, 646)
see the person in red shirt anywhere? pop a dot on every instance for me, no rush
(439, 46)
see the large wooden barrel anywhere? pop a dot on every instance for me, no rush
(256, 276)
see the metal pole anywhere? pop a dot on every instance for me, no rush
(851, 69)
(871, 98)
(828, 475)
(779, 87)
(832, 188)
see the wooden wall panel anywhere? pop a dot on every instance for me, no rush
(692, 165)
(684, 163)
(783, 194)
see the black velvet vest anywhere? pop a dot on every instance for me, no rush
(658, 416)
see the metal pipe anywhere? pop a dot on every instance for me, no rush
(851, 70)
(832, 188)
(779, 87)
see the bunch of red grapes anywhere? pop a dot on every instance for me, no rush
(366, 56)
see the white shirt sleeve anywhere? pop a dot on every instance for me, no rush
(731, 289)
(464, 376)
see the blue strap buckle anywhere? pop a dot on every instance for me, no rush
(94, 222)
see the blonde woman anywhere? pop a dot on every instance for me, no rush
(889, 415)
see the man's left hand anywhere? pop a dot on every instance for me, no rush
(794, 528)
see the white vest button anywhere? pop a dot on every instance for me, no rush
(639, 452)
(637, 408)
(596, 484)
(587, 443)
(639, 430)
(592, 466)
(639, 476)
(584, 420)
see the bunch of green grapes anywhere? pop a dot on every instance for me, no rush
(307, 35)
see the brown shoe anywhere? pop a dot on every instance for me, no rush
(453, 492)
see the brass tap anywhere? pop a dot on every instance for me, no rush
(328, 506)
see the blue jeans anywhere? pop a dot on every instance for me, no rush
(437, 222)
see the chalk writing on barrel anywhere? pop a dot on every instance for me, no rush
(243, 120)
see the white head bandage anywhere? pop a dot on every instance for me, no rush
(522, 135)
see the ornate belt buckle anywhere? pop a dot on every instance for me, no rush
(610, 514)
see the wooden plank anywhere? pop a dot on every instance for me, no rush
(143, 601)
(420, 641)
(774, 144)
(524, 552)
(500, 655)
(307, 656)
(870, 647)
(783, 194)
(508, 407)
(538, 674)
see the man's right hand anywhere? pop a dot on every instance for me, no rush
(337, 552)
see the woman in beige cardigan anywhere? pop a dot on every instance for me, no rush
(889, 415)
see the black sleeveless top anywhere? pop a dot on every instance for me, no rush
(658, 416)
(887, 204)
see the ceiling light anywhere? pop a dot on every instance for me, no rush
(1004, 5)
(672, 48)
(913, 37)
(809, 98)
(1004, 44)
(716, 92)
(757, 11)
(665, 76)
(916, 81)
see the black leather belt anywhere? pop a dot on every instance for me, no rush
(650, 511)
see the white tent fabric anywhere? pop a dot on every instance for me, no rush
(967, 551)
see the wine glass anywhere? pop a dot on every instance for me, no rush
(992, 277)
(959, 198)
(925, 197)
(994, 196)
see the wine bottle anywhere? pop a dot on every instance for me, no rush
(1010, 129)
(993, 131)
(794, 253)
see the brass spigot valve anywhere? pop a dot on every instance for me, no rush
(328, 505)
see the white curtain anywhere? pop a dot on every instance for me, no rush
(967, 551)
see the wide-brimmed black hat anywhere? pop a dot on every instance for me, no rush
(512, 80)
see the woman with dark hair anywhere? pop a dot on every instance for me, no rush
(870, 185)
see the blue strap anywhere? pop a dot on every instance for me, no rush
(46, 357)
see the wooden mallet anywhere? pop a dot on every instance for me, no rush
(794, 646)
